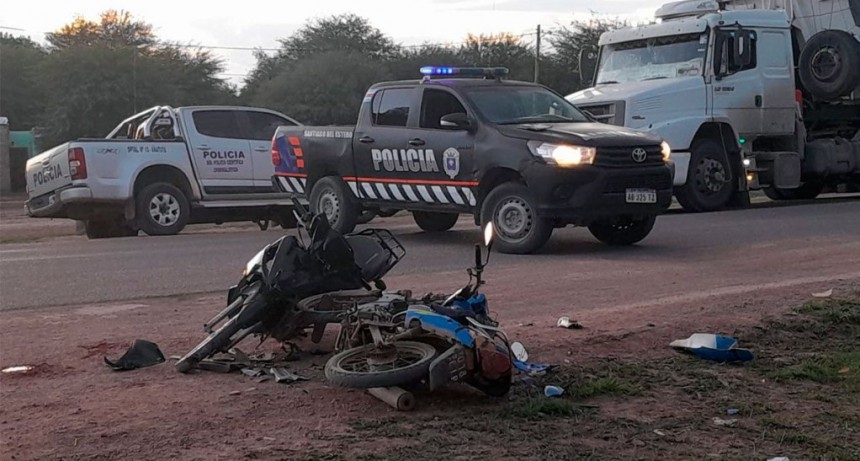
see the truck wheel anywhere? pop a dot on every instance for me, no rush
(806, 191)
(434, 222)
(331, 197)
(708, 185)
(108, 228)
(829, 63)
(624, 230)
(162, 209)
(512, 210)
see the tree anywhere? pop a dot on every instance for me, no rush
(575, 50)
(20, 96)
(323, 89)
(346, 33)
(114, 29)
(502, 50)
(97, 74)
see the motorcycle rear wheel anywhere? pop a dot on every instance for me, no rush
(352, 367)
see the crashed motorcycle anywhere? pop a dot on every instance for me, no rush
(435, 341)
(292, 286)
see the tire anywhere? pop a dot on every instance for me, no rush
(828, 64)
(806, 191)
(162, 209)
(435, 222)
(100, 229)
(513, 211)
(623, 230)
(340, 373)
(708, 187)
(331, 196)
(365, 217)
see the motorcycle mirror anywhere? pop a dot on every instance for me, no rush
(519, 351)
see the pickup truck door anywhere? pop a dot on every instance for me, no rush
(381, 143)
(259, 127)
(220, 152)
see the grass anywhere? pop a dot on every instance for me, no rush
(9, 239)
(834, 311)
(840, 367)
(540, 407)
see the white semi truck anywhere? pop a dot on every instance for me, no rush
(749, 94)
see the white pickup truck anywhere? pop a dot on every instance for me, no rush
(162, 169)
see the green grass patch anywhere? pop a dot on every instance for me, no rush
(541, 407)
(834, 311)
(604, 385)
(4, 239)
(839, 367)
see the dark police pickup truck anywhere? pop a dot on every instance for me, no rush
(463, 140)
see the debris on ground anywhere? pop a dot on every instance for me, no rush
(519, 351)
(553, 391)
(19, 369)
(395, 397)
(725, 422)
(823, 294)
(532, 369)
(732, 411)
(141, 354)
(713, 347)
(565, 322)
(283, 375)
(252, 372)
(779, 458)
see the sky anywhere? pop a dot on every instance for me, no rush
(256, 23)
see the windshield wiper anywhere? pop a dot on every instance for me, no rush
(654, 78)
(608, 82)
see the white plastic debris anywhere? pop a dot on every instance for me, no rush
(20, 369)
(565, 322)
(725, 422)
(823, 294)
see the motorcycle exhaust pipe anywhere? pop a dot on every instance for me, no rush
(395, 397)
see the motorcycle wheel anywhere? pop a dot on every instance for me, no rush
(355, 368)
(220, 339)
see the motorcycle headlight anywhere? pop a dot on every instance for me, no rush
(253, 263)
(665, 150)
(564, 155)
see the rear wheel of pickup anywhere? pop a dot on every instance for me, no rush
(435, 222)
(513, 211)
(162, 209)
(623, 230)
(332, 198)
(709, 184)
(108, 228)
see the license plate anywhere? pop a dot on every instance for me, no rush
(641, 196)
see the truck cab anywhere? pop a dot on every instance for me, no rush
(467, 141)
(718, 82)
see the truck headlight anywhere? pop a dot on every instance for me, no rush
(564, 155)
(665, 150)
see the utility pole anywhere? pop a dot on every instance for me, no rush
(537, 55)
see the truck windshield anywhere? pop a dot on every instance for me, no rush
(653, 58)
(507, 105)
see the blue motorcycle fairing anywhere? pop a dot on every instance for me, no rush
(441, 325)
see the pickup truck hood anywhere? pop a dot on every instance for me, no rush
(584, 134)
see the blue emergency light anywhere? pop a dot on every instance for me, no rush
(433, 71)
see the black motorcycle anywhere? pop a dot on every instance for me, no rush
(291, 286)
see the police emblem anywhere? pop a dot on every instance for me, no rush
(451, 160)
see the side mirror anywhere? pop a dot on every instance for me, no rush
(587, 64)
(455, 121)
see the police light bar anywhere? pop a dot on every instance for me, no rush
(432, 71)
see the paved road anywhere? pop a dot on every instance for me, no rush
(73, 270)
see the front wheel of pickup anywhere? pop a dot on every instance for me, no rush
(623, 230)
(162, 209)
(513, 211)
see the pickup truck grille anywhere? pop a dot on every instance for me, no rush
(648, 181)
(622, 157)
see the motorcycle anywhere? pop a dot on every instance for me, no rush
(290, 286)
(451, 341)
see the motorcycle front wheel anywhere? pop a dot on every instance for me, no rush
(397, 364)
(226, 335)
